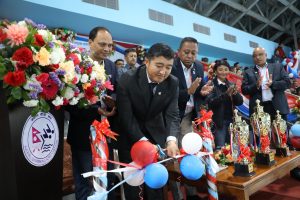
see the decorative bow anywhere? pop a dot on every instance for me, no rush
(102, 128)
(245, 153)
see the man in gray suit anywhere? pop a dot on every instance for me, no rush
(266, 82)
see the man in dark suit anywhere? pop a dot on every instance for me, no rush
(100, 41)
(192, 90)
(266, 82)
(148, 109)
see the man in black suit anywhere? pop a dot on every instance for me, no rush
(100, 42)
(266, 82)
(192, 91)
(148, 109)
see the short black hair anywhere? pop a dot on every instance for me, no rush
(160, 49)
(188, 39)
(127, 51)
(119, 60)
(94, 31)
(218, 63)
(235, 64)
(204, 59)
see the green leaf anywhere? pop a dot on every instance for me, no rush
(10, 100)
(25, 95)
(44, 105)
(2, 71)
(16, 92)
(35, 110)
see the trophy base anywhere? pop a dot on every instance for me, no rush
(243, 170)
(280, 151)
(265, 158)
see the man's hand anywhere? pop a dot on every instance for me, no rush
(207, 88)
(106, 113)
(109, 101)
(259, 82)
(194, 86)
(172, 148)
(270, 81)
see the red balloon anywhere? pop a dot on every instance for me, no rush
(143, 153)
(295, 140)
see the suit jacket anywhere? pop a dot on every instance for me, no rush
(216, 102)
(82, 118)
(139, 116)
(197, 71)
(280, 83)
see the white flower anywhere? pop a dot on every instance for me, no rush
(57, 55)
(58, 101)
(84, 78)
(47, 35)
(22, 23)
(74, 101)
(69, 93)
(30, 103)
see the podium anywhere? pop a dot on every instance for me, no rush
(31, 153)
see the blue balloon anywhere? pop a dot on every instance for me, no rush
(290, 56)
(156, 175)
(191, 167)
(295, 129)
(284, 62)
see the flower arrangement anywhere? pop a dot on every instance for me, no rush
(223, 156)
(141, 53)
(64, 34)
(37, 69)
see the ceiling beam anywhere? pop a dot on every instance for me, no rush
(277, 35)
(253, 14)
(292, 7)
(234, 21)
(211, 8)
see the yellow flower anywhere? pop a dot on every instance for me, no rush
(43, 57)
(69, 68)
(86, 85)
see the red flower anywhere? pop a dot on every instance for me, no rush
(39, 41)
(74, 58)
(50, 89)
(3, 35)
(23, 56)
(89, 70)
(108, 85)
(90, 95)
(42, 77)
(16, 78)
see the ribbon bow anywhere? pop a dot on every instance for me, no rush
(102, 128)
(245, 153)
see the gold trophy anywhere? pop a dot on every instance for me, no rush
(239, 136)
(261, 124)
(280, 128)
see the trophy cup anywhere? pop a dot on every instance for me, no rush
(239, 131)
(261, 124)
(280, 127)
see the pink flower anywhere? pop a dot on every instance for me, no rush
(16, 34)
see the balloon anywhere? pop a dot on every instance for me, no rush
(191, 167)
(295, 129)
(136, 176)
(191, 143)
(295, 141)
(143, 153)
(156, 175)
(283, 62)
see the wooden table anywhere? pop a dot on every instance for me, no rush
(243, 187)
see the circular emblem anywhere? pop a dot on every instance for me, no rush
(40, 138)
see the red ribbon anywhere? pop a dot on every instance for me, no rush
(102, 128)
(245, 153)
(205, 118)
(265, 142)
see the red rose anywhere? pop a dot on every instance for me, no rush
(50, 89)
(89, 70)
(3, 35)
(74, 58)
(39, 41)
(23, 56)
(16, 78)
(42, 77)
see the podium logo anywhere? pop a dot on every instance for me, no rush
(40, 138)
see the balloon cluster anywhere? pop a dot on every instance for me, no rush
(191, 166)
(291, 63)
(144, 156)
(295, 138)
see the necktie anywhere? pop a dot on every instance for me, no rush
(152, 86)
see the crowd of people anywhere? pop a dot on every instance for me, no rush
(158, 101)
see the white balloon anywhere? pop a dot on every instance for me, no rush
(290, 64)
(191, 143)
(136, 176)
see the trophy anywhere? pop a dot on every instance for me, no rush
(239, 139)
(280, 128)
(261, 124)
